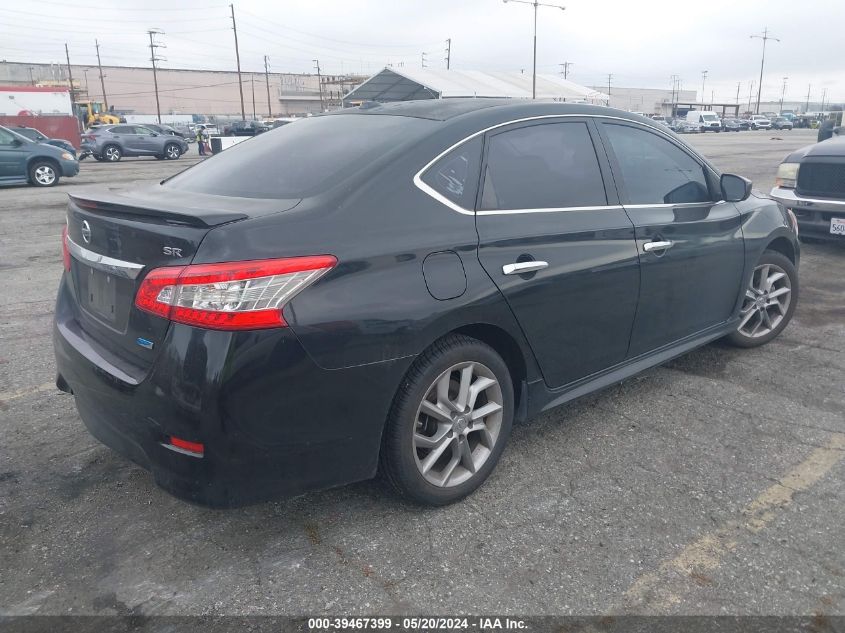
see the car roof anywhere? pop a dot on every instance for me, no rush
(446, 109)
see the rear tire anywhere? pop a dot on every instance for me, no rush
(43, 173)
(769, 301)
(449, 422)
(112, 153)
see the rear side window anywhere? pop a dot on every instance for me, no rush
(654, 170)
(455, 176)
(542, 167)
(301, 159)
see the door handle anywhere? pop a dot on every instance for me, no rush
(657, 246)
(520, 268)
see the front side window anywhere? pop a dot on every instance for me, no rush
(455, 176)
(6, 138)
(547, 166)
(654, 170)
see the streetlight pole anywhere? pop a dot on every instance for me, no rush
(765, 37)
(703, 81)
(536, 5)
(782, 93)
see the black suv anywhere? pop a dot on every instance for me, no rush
(247, 128)
(390, 288)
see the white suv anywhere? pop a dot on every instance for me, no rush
(759, 122)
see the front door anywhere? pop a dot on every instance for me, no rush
(689, 241)
(556, 242)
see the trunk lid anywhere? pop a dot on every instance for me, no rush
(116, 238)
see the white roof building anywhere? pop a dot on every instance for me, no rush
(405, 84)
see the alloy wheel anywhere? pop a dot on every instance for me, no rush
(112, 154)
(766, 301)
(457, 424)
(45, 175)
(173, 152)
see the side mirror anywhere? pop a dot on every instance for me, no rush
(16, 142)
(735, 188)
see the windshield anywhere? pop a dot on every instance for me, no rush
(301, 159)
(709, 117)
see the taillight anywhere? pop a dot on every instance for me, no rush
(65, 251)
(246, 295)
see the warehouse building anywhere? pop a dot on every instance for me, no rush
(130, 90)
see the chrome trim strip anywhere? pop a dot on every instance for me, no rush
(788, 197)
(459, 209)
(110, 265)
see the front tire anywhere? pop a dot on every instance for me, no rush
(172, 151)
(449, 422)
(769, 301)
(112, 153)
(43, 173)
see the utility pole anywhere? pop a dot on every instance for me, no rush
(422, 58)
(252, 81)
(807, 106)
(154, 58)
(238, 60)
(765, 37)
(609, 77)
(703, 81)
(319, 82)
(536, 5)
(782, 93)
(102, 83)
(267, 81)
(824, 96)
(738, 84)
(448, 52)
(70, 77)
(675, 95)
(565, 69)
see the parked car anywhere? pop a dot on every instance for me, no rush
(34, 135)
(759, 122)
(682, 126)
(113, 142)
(247, 128)
(253, 327)
(280, 122)
(706, 120)
(24, 161)
(164, 129)
(811, 183)
(744, 124)
(781, 123)
(731, 125)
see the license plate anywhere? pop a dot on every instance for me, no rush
(837, 226)
(101, 294)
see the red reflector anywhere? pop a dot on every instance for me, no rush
(185, 445)
(65, 251)
(245, 295)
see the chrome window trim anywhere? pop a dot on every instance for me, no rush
(428, 190)
(110, 265)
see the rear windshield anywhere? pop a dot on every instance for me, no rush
(300, 159)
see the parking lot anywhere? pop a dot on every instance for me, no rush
(711, 485)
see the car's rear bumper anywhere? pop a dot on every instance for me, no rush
(814, 215)
(272, 422)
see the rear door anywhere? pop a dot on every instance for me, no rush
(556, 242)
(689, 241)
(126, 137)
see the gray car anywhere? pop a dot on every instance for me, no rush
(113, 142)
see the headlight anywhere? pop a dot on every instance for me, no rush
(787, 175)
(67, 156)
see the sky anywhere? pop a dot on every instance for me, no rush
(641, 44)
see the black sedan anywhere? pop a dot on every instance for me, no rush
(34, 135)
(247, 128)
(389, 288)
(732, 125)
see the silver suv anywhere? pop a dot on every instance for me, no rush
(113, 142)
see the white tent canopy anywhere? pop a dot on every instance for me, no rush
(404, 84)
